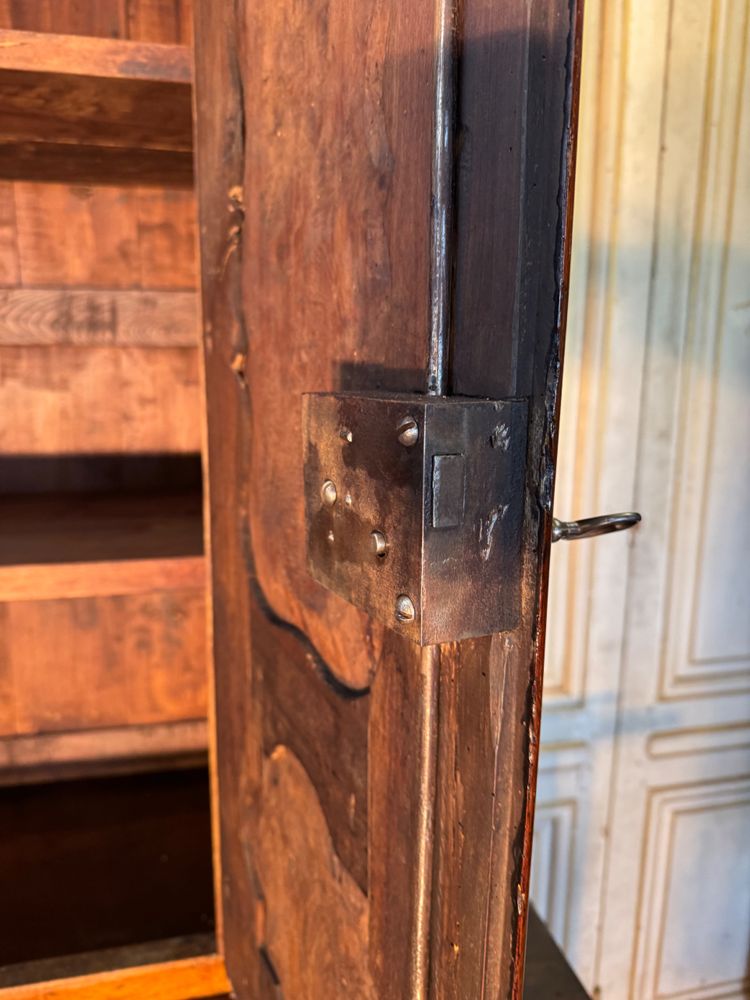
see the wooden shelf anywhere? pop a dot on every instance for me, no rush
(89, 56)
(102, 607)
(69, 546)
(99, 964)
(94, 110)
(103, 863)
(41, 757)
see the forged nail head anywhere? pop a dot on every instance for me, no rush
(405, 610)
(328, 493)
(378, 543)
(408, 432)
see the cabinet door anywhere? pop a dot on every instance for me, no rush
(385, 206)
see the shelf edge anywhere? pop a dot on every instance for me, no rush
(65, 581)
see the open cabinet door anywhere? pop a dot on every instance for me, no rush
(385, 206)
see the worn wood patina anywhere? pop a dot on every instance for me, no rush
(384, 206)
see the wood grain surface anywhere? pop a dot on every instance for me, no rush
(113, 750)
(316, 149)
(91, 317)
(334, 301)
(325, 907)
(236, 690)
(99, 237)
(58, 581)
(93, 639)
(79, 163)
(519, 123)
(83, 662)
(160, 21)
(64, 399)
(72, 103)
(41, 107)
(84, 55)
(326, 732)
(201, 978)
(350, 236)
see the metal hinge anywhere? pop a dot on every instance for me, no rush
(414, 506)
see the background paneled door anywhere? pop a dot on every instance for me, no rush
(642, 856)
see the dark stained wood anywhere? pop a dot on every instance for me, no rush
(315, 151)
(91, 164)
(104, 473)
(321, 905)
(359, 244)
(401, 748)
(75, 528)
(103, 863)
(342, 213)
(237, 691)
(479, 747)
(326, 732)
(518, 87)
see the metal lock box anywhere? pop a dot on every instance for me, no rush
(414, 508)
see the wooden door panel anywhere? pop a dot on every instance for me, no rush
(335, 189)
(375, 797)
(325, 908)
(324, 729)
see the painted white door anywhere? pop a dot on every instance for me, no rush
(642, 852)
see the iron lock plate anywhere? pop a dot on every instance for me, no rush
(414, 507)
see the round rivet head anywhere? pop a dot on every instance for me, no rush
(328, 493)
(408, 432)
(378, 543)
(405, 610)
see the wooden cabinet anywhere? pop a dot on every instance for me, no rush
(104, 799)
(103, 613)
(384, 206)
(101, 553)
(94, 110)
